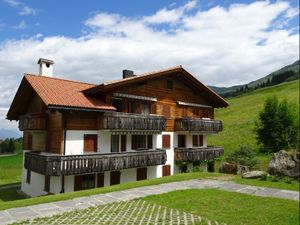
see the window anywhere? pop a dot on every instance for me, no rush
(88, 181)
(141, 142)
(145, 108)
(181, 141)
(114, 143)
(131, 107)
(115, 177)
(141, 173)
(197, 140)
(169, 84)
(117, 103)
(166, 141)
(28, 176)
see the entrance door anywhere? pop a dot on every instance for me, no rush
(166, 170)
(90, 143)
(141, 173)
(115, 177)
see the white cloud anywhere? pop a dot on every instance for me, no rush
(220, 46)
(21, 26)
(25, 10)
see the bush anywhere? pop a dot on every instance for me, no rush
(182, 166)
(245, 155)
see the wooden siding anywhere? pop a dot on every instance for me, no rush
(167, 99)
(82, 121)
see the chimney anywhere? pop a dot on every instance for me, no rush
(46, 67)
(128, 73)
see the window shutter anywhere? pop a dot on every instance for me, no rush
(166, 111)
(134, 142)
(123, 143)
(153, 108)
(201, 140)
(166, 141)
(149, 142)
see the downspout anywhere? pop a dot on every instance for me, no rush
(64, 152)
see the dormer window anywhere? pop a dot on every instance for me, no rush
(169, 85)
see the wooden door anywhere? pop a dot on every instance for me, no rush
(100, 180)
(78, 183)
(141, 173)
(115, 177)
(123, 143)
(166, 170)
(90, 143)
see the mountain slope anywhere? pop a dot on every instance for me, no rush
(292, 68)
(238, 119)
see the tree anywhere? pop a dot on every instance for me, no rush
(277, 126)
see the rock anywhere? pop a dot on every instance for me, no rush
(285, 164)
(228, 168)
(242, 169)
(253, 174)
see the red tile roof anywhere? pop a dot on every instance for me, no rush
(61, 92)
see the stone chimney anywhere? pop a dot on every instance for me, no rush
(128, 73)
(46, 67)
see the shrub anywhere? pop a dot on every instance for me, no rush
(264, 177)
(245, 155)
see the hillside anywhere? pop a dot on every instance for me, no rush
(287, 73)
(238, 119)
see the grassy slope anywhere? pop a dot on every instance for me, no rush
(238, 119)
(10, 169)
(229, 207)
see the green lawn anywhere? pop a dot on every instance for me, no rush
(10, 169)
(231, 208)
(58, 197)
(238, 119)
(11, 199)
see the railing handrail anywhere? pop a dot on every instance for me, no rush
(199, 148)
(133, 115)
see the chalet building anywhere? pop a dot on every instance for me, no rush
(78, 135)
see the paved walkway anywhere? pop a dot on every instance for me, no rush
(49, 209)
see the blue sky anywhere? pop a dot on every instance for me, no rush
(222, 43)
(66, 17)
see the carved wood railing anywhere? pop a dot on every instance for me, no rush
(198, 154)
(33, 122)
(192, 124)
(130, 121)
(56, 165)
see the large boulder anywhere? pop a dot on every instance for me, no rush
(285, 164)
(254, 174)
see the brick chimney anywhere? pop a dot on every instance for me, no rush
(46, 67)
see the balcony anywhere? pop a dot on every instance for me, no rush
(198, 154)
(130, 121)
(33, 122)
(56, 165)
(202, 125)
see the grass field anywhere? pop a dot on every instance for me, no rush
(10, 169)
(238, 119)
(231, 208)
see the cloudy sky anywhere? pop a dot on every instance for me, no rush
(222, 43)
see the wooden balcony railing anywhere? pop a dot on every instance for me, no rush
(33, 122)
(192, 124)
(198, 154)
(130, 121)
(56, 165)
